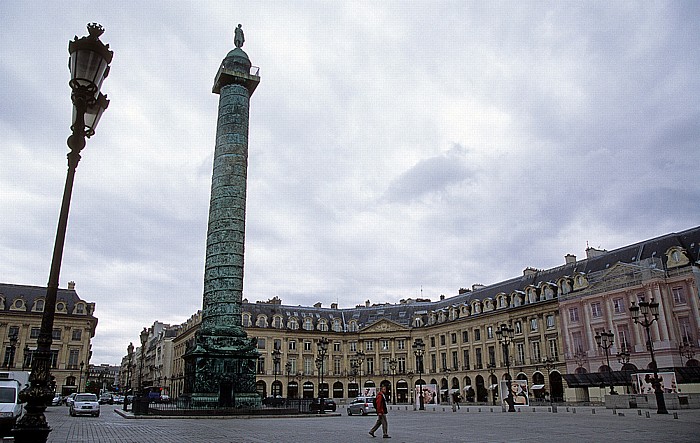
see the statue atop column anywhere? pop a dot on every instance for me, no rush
(238, 38)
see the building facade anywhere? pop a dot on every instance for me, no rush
(554, 314)
(21, 310)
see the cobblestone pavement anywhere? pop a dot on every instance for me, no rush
(579, 425)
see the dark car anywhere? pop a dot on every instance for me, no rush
(328, 405)
(276, 401)
(106, 399)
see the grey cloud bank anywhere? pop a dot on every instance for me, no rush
(394, 148)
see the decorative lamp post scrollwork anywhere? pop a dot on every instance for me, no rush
(393, 364)
(89, 65)
(360, 358)
(650, 314)
(322, 350)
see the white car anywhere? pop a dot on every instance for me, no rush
(85, 404)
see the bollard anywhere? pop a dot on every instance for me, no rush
(647, 414)
(621, 414)
(573, 410)
(491, 409)
(567, 409)
(675, 415)
(639, 412)
(614, 411)
(467, 409)
(479, 410)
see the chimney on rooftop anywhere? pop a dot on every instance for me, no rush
(593, 252)
(529, 271)
(477, 286)
(334, 305)
(71, 285)
(570, 258)
(367, 303)
(442, 296)
(317, 304)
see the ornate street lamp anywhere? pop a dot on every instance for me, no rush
(322, 347)
(393, 364)
(549, 364)
(143, 337)
(650, 312)
(419, 352)
(288, 370)
(13, 348)
(492, 370)
(606, 340)
(276, 358)
(360, 357)
(80, 378)
(130, 356)
(89, 65)
(623, 357)
(505, 337)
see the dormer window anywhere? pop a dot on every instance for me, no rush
(80, 308)
(39, 305)
(246, 320)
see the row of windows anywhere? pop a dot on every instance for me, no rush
(19, 304)
(535, 356)
(619, 304)
(76, 334)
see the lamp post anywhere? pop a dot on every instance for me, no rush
(650, 312)
(288, 370)
(393, 364)
(623, 357)
(89, 65)
(360, 357)
(606, 340)
(80, 379)
(419, 352)
(505, 338)
(322, 347)
(25, 357)
(492, 370)
(276, 358)
(13, 348)
(549, 364)
(143, 337)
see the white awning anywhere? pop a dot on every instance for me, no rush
(466, 388)
(492, 387)
(442, 391)
(536, 387)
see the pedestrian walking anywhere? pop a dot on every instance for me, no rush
(380, 406)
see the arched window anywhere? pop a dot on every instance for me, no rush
(352, 326)
(417, 321)
(308, 324)
(337, 325)
(293, 323)
(246, 320)
(261, 322)
(323, 325)
(39, 305)
(277, 322)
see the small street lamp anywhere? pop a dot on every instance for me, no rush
(549, 364)
(505, 336)
(650, 312)
(288, 370)
(80, 379)
(492, 370)
(322, 352)
(25, 357)
(419, 352)
(13, 348)
(360, 357)
(276, 358)
(130, 356)
(89, 65)
(606, 340)
(623, 357)
(393, 364)
(144, 338)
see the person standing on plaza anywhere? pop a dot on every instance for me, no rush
(380, 405)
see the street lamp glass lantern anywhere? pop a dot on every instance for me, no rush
(634, 310)
(598, 339)
(654, 308)
(93, 113)
(89, 61)
(144, 337)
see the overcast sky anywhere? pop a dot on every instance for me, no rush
(397, 149)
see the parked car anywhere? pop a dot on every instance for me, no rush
(85, 404)
(106, 398)
(328, 405)
(118, 399)
(69, 399)
(275, 401)
(362, 406)
(57, 400)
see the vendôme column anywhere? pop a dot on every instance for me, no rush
(220, 366)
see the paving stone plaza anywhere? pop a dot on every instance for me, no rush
(471, 424)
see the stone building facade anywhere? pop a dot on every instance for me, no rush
(372, 344)
(21, 309)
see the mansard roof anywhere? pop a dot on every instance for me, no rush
(650, 254)
(30, 294)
